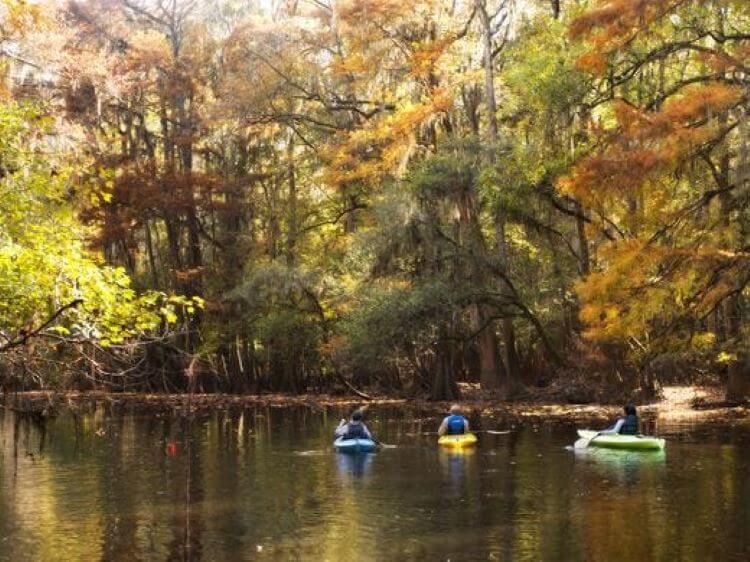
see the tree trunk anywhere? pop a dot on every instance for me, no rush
(151, 256)
(292, 233)
(173, 240)
(350, 206)
(195, 258)
(490, 99)
(555, 4)
(511, 373)
(444, 385)
(584, 260)
(512, 368)
(492, 373)
(738, 381)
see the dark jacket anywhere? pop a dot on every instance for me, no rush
(353, 430)
(630, 425)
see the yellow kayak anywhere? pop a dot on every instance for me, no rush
(458, 441)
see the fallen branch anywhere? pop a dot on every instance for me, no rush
(353, 389)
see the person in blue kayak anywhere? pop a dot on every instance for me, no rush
(627, 425)
(455, 423)
(355, 428)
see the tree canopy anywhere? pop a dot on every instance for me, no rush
(380, 194)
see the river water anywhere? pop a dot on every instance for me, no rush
(264, 484)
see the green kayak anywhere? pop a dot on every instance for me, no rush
(632, 442)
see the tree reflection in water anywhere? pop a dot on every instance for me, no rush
(265, 483)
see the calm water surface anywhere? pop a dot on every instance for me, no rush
(265, 485)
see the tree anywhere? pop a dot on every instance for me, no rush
(668, 180)
(53, 288)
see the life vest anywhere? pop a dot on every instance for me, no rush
(456, 425)
(630, 427)
(355, 431)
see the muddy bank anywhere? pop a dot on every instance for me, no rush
(677, 404)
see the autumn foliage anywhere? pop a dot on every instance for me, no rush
(669, 168)
(402, 195)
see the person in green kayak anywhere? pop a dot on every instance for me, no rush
(627, 425)
(455, 423)
(355, 428)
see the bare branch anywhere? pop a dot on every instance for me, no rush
(25, 336)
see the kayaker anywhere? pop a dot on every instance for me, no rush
(455, 423)
(355, 428)
(627, 425)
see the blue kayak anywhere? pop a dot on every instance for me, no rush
(354, 445)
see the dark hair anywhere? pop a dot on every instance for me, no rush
(357, 415)
(629, 410)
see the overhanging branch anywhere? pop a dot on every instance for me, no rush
(26, 335)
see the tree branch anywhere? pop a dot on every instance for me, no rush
(25, 336)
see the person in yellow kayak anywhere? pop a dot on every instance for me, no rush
(455, 423)
(627, 425)
(355, 428)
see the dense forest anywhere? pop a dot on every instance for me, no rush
(375, 195)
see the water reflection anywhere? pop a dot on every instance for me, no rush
(353, 464)
(456, 466)
(264, 483)
(625, 466)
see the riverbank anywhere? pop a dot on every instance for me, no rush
(678, 403)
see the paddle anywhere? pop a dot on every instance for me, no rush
(383, 445)
(583, 442)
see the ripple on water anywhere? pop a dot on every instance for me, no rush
(521, 497)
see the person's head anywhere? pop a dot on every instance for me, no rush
(629, 410)
(357, 415)
(456, 410)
